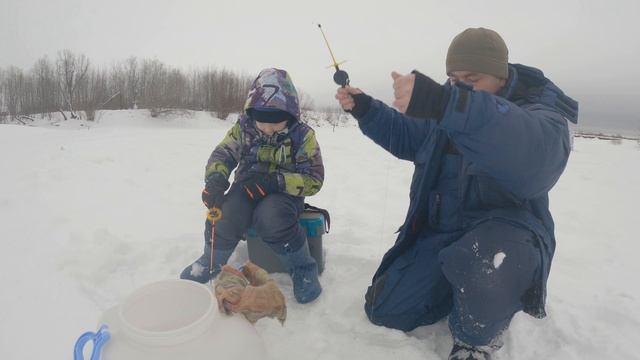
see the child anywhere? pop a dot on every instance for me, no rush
(278, 163)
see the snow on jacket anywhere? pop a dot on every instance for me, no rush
(491, 157)
(293, 153)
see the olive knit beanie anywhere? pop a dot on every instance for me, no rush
(479, 50)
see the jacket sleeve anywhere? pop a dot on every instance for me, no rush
(525, 149)
(397, 133)
(309, 175)
(226, 155)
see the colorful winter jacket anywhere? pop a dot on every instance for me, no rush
(491, 157)
(293, 153)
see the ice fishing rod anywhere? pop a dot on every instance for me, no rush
(340, 76)
(214, 214)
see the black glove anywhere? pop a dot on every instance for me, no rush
(429, 99)
(362, 104)
(260, 185)
(213, 193)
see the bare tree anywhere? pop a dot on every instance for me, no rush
(46, 89)
(117, 84)
(13, 87)
(176, 89)
(305, 100)
(133, 82)
(206, 89)
(153, 80)
(195, 96)
(72, 71)
(3, 93)
(28, 96)
(306, 105)
(97, 93)
(331, 114)
(228, 92)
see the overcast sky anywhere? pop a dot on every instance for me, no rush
(589, 48)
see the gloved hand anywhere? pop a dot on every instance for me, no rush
(213, 193)
(353, 100)
(250, 292)
(428, 98)
(260, 185)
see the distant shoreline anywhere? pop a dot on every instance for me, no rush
(605, 134)
(627, 128)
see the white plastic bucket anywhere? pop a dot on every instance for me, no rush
(177, 320)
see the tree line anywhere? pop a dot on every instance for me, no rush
(69, 84)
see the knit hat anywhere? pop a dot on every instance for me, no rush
(269, 115)
(479, 50)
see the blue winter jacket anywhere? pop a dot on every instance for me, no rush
(491, 157)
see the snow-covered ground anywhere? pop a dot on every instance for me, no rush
(90, 213)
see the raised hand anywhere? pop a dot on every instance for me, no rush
(402, 90)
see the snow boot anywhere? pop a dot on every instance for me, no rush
(462, 351)
(304, 273)
(199, 270)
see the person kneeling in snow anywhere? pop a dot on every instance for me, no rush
(278, 163)
(477, 241)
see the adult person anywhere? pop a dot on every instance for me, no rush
(478, 238)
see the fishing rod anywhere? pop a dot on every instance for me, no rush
(214, 214)
(340, 76)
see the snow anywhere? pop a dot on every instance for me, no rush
(90, 212)
(498, 259)
(197, 269)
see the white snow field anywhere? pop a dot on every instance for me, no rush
(90, 212)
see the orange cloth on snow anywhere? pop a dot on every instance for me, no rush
(251, 292)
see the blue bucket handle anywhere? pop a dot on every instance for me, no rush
(99, 339)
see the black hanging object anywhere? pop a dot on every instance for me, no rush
(341, 78)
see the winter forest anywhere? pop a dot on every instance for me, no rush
(73, 86)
